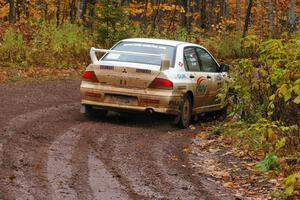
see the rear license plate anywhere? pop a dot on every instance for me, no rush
(120, 99)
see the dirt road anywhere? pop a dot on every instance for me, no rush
(48, 150)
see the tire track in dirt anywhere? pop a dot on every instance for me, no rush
(136, 175)
(180, 185)
(102, 182)
(18, 161)
(140, 156)
(102, 163)
(1, 154)
(91, 178)
(79, 163)
(122, 160)
(59, 164)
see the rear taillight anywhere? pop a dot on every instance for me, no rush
(160, 83)
(90, 76)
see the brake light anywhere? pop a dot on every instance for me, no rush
(90, 76)
(160, 83)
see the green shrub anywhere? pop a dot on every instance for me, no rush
(59, 46)
(230, 47)
(13, 48)
(269, 163)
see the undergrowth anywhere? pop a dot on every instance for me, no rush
(265, 118)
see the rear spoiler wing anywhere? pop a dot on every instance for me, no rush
(165, 62)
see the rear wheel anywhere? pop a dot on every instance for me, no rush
(185, 112)
(94, 113)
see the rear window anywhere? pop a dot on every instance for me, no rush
(141, 48)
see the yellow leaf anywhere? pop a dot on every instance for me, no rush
(297, 100)
(283, 90)
(202, 135)
(174, 157)
(289, 191)
(187, 150)
(228, 185)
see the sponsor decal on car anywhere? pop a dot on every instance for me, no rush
(180, 64)
(106, 67)
(145, 71)
(180, 76)
(218, 78)
(201, 87)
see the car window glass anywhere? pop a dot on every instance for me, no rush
(191, 60)
(206, 61)
(141, 48)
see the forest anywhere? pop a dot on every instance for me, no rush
(260, 39)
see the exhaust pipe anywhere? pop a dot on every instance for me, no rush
(149, 111)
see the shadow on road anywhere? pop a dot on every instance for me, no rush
(135, 119)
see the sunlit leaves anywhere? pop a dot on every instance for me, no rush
(292, 182)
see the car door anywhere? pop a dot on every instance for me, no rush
(198, 78)
(215, 80)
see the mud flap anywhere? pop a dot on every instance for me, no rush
(177, 117)
(83, 109)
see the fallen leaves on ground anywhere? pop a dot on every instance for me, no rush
(231, 167)
(16, 74)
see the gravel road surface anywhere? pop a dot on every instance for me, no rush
(48, 150)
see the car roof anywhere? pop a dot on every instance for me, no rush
(156, 41)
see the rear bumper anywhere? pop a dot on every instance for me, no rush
(140, 100)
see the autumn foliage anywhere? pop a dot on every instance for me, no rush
(260, 39)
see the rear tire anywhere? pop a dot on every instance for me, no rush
(94, 113)
(185, 112)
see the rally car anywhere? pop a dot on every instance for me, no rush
(154, 76)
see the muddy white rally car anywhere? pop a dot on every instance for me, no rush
(153, 75)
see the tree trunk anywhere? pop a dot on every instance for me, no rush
(154, 23)
(183, 14)
(292, 17)
(202, 9)
(188, 17)
(238, 15)
(12, 12)
(247, 18)
(271, 18)
(223, 8)
(83, 9)
(211, 16)
(145, 15)
(73, 11)
(246, 6)
(57, 12)
(227, 9)
(92, 8)
(18, 12)
(125, 2)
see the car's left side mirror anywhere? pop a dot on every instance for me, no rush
(224, 68)
(165, 63)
